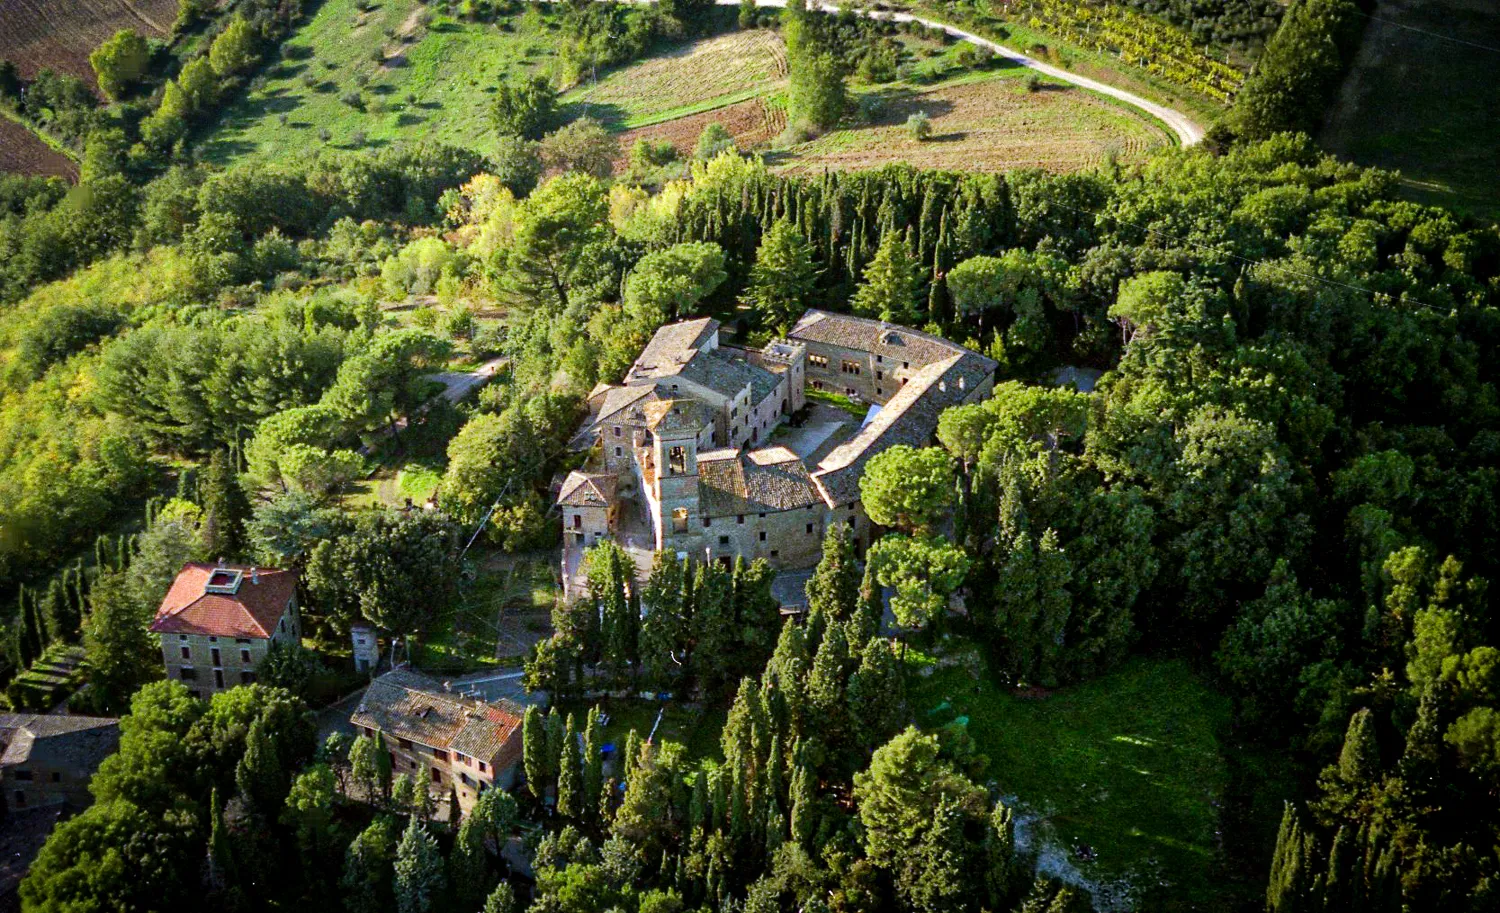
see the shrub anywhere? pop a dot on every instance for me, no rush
(919, 126)
(1033, 83)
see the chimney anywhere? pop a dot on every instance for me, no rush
(254, 574)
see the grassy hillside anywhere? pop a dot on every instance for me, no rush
(1422, 97)
(395, 71)
(1118, 780)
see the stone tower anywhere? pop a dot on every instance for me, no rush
(675, 427)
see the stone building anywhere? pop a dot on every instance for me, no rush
(48, 760)
(466, 745)
(218, 622)
(683, 456)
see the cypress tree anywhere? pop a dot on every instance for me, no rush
(421, 794)
(718, 793)
(892, 283)
(833, 587)
(1002, 881)
(632, 758)
(570, 798)
(534, 750)
(469, 868)
(502, 899)
(419, 870)
(803, 798)
(593, 764)
(259, 775)
(382, 765)
(1359, 760)
(225, 508)
(221, 872)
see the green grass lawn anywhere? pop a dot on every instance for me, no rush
(1129, 765)
(696, 730)
(434, 81)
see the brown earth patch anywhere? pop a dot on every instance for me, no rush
(62, 33)
(22, 152)
(752, 123)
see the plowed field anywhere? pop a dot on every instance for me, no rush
(61, 33)
(23, 153)
(752, 123)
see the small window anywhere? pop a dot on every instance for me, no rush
(22, 775)
(404, 743)
(809, 529)
(775, 553)
(247, 678)
(677, 459)
(617, 431)
(740, 519)
(56, 777)
(188, 674)
(282, 626)
(880, 375)
(578, 521)
(218, 659)
(182, 637)
(242, 640)
(218, 678)
(482, 767)
(245, 652)
(20, 799)
(679, 520)
(706, 522)
(440, 754)
(762, 535)
(213, 640)
(619, 451)
(723, 540)
(187, 653)
(437, 775)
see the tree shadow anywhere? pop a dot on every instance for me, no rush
(609, 114)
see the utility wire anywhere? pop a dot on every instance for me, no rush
(1441, 37)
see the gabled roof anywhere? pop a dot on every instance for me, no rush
(910, 417)
(196, 604)
(676, 415)
(588, 489)
(761, 481)
(406, 705)
(897, 343)
(77, 742)
(672, 347)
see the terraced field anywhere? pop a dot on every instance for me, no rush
(987, 124)
(700, 76)
(61, 33)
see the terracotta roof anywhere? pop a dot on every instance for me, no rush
(407, 705)
(771, 479)
(910, 417)
(77, 742)
(587, 489)
(249, 609)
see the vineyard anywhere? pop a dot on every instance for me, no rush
(61, 34)
(1135, 39)
(23, 152)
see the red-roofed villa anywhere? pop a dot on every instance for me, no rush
(218, 622)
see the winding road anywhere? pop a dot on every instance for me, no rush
(1188, 132)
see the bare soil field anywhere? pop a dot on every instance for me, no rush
(22, 152)
(684, 80)
(753, 124)
(987, 125)
(61, 33)
(1422, 98)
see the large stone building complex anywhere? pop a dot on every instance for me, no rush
(690, 452)
(467, 745)
(218, 622)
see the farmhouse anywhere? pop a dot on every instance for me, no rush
(218, 622)
(467, 745)
(48, 760)
(686, 454)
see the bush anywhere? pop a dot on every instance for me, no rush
(713, 140)
(1033, 83)
(919, 126)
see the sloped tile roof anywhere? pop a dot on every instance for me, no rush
(407, 705)
(588, 489)
(250, 611)
(773, 479)
(76, 742)
(672, 347)
(897, 343)
(910, 417)
(677, 415)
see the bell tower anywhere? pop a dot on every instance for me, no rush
(675, 427)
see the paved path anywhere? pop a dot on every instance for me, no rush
(1188, 133)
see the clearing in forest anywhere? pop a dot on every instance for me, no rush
(1422, 97)
(398, 71)
(994, 123)
(1118, 782)
(705, 74)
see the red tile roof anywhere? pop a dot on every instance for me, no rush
(252, 610)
